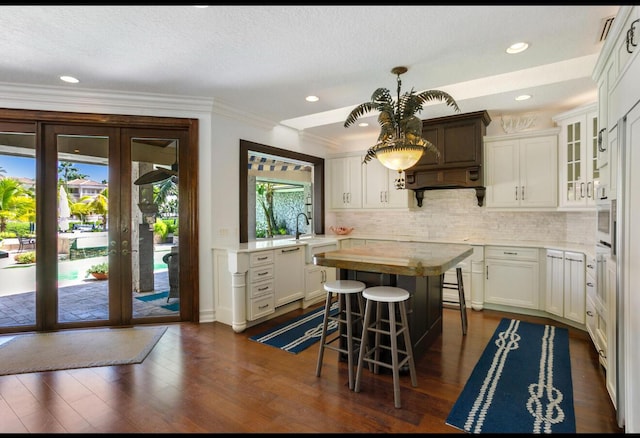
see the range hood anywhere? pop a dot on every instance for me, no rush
(459, 139)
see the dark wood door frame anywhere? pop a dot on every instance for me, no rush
(46, 191)
(318, 182)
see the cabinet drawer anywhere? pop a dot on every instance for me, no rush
(259, 307)
(261, 258)
(261, 288)
(511, 253)
(260, 273)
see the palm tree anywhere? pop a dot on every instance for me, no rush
(15, 202)
(98, 204)
(68, 172)
(400, 128)
(265, 197)
(164, 196)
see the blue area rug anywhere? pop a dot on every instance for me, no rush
(521, 384)
(161, 298)
(299, 333)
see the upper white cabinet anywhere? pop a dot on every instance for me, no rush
(522, 170)
(578, 157)
(379, 188)
(345, 180)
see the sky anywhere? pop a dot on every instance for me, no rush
(26, 167)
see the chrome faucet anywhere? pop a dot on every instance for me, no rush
(298, 220)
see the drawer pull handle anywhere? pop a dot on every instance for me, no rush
(263, 288)
(263, 273)
(297, 248)
(630, 39)
(510, 253)
(589, 313)
(263, 258)
(589, 284)
(263, 307)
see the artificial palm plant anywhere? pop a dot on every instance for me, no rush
(400, 128)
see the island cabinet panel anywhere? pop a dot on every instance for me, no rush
(424, 308)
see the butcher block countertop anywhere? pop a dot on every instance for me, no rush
(417, 259)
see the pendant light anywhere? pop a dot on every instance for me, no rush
(400, 143)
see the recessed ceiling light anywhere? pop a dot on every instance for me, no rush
(363, 124)
(312, 98)
(517, 48)
(523, 97)
(69, 79)
(201, 6)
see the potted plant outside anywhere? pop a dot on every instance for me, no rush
(99, 271)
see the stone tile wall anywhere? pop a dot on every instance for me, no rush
(455, 214)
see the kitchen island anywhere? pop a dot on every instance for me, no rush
(414, 266)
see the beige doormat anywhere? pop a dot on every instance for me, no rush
(29, 353)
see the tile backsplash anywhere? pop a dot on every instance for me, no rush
(455, 214)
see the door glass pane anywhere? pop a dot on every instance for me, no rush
(17, 229)
(155, 227)
(83, 263)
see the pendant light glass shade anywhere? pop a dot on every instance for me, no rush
(399, 158)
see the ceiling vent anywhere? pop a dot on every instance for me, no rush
(605, 27)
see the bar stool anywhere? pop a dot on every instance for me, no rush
(461, 304)
(345, 316)
(391, 295)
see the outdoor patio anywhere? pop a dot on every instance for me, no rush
(80, 297)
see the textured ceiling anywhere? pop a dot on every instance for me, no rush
(265, 59)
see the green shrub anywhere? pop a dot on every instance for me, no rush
(25, 258)
(100, 268)
(160, 228)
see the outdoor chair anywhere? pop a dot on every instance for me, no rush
(26, 241)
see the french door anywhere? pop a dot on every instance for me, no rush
(108, 199)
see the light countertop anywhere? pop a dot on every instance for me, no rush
(417, 259)
(266, 244)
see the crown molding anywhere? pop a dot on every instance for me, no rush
(26, 96)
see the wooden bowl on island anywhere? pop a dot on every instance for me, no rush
(343, 231)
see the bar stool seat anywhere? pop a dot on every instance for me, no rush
(378, 295)
(461, 303)
(345, 320)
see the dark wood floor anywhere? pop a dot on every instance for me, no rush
(206, 378)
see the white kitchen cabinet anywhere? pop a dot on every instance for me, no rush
(511, 276)
(315, 278)
(596, 309)
(289, 271)
(554, 297)
(578, 157)
(521, 170)
(611, 324)
(345, 181)
(565, 292)
(574, 286)
(379, 188)
(260, 285)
